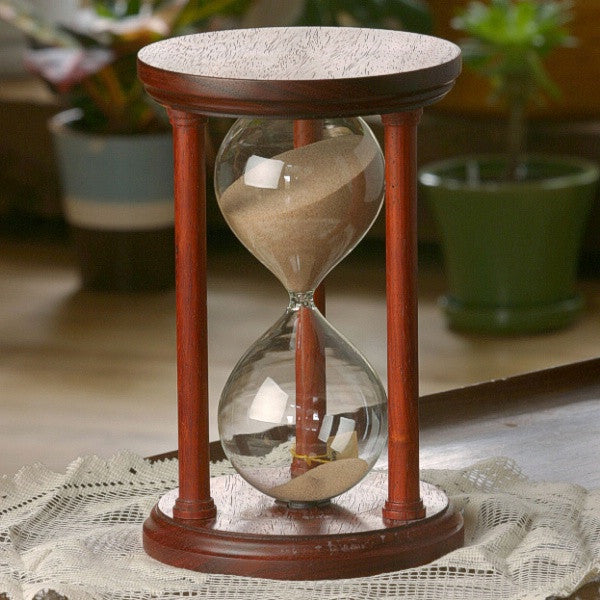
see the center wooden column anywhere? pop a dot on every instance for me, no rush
(310, 358)
(194, 501)
(400, 136)
(308, 131)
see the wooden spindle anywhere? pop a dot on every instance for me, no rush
(311, 403)
(194, 501)
(400, 135)
(307, 131)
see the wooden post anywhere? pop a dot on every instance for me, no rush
(310, 358)
(307, 131)
(311, 402)
(400, 134)
(194, 501)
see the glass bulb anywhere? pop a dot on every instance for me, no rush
(299, 210)
(303, 416)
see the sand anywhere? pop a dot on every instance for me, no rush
(328, 195)
(323, 482)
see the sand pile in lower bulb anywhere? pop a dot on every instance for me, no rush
(327, 196)
(323, 482)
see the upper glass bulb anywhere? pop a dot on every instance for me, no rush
(299, 210)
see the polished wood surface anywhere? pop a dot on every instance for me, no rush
(311, 400)
(189, 133)
(359, 79)
(252, 536)
(548, 422)
(310, 357)
(307, 131)
(400, 136)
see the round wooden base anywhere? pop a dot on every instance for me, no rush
(253, 536)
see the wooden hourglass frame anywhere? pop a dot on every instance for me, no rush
(304, 74)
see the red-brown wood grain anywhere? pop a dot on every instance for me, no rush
(307, 131)
(400, 139)
(194, 500)
(282, 557)
(311, 402)
(299, 99)
(299, 72)
(310, 357)
(349, 539)
(320, 298)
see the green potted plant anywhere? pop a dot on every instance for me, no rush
(511, 225)
(113, 144)
(409, 15)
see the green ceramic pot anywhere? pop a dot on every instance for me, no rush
(510, 248)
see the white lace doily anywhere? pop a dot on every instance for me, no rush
(79, 534)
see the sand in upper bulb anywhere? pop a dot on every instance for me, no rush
(327, 196)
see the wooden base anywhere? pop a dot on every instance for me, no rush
(253, 536)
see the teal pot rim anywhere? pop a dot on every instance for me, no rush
(61, 124)
(584, 172)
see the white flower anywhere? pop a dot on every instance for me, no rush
(65, 67)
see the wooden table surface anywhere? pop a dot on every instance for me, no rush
(548, 421)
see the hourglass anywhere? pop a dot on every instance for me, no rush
(303, 417)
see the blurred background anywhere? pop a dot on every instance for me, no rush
(87, 318)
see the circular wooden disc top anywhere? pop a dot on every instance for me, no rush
(299, 71)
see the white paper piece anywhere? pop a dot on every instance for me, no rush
(269, 404)
(263, 172)
(326, 426)
(343, 435)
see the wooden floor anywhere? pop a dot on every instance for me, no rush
(84, 372)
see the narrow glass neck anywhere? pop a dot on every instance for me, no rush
(299, 299)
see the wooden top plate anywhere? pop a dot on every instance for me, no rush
(299, 72)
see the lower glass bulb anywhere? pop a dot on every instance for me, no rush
(303, 416)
